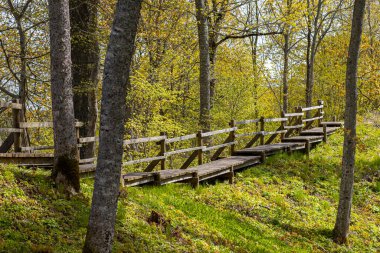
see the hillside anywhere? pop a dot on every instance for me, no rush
(286, 205)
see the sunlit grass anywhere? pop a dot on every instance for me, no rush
(287, 204)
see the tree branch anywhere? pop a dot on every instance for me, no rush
(242, 36)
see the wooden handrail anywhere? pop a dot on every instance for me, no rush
(247, 121)
(312, 108)
(185, 150)
(227, 130)
(219, 146)
(144, 140)
(181, 138)
(295, 114)
(149, 159)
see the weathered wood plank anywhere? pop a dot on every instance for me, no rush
(295, 114)
(11, 130)
(275, 119)
(33, 148)
(312, 119)
(183, 151)
(88, 139)
(248, 134)
(36, 124)
(247, 121)
(227, 130)
(293, 127)
(181, 138)
(144, 140)
(219, 146)
(312, 108)
(149, 159)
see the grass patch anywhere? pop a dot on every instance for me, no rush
(287, 204)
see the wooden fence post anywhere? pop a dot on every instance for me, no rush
(320, 111)
(299, 122)
(232, 137)
(16, 124)
(262, 130)
(283, 123)
(324, 133)
(163, 150)
(200, 144)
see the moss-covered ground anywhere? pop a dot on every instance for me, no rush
(287, 204)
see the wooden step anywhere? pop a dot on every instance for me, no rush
(332, 123)
(202, 172)
(310, 139)
(137, 178)
(271, 149)
(319, 131)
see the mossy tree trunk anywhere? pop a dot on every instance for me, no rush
(118, 61)
(66, 158)
(85, 67)
(348, 161)
(204, 65)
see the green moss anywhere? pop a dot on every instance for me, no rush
(68, 166)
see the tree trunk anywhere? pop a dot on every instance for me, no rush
(85, 67)
(309, 67)
(204, 78)
(66, 158)
(212, 52)
(118, 60)
(348, 161)
(285, 73)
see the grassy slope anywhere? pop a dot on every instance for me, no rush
(286, 205)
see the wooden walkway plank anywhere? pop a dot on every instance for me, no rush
(332, 123)
(307, 138)
(319, 131)
(271, 149)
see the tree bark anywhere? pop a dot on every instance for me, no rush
(204, 77)
(66, 158)
(118, 60)
(285, 73)
(85, 67)
(285, 85)
(342, 223)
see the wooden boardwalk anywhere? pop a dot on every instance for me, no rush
(240, 149)
(225, 167)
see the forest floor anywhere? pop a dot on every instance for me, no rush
(286, 205)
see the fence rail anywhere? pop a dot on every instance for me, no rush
(239, 132)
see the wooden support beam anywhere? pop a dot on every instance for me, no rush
(200, 144)
(232, 136)
(163, 150)
(253, 141)
(262, 129)
(7, 144)
(16, 124)
(189, 160)
(195, 180)
(324, 133)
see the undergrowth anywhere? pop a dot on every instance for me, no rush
(287, 204)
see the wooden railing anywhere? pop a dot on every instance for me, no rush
(19, 130)
(266, 131)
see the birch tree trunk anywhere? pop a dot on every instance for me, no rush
(85, 67)
(348, 161)
(118, 60)
(204, 58)
(66, 158)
